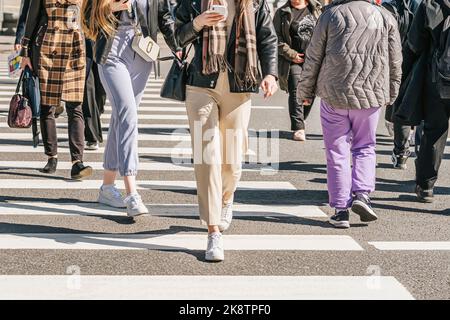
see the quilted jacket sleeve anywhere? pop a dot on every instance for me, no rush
(395, 61)
(306, 88)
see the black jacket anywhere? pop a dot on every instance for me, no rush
(158, 16)
(20, 30)
(266, 44)
(423, 39)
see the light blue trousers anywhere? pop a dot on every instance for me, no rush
(124, 77)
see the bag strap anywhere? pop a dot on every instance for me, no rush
(141, 20)
(19, 84)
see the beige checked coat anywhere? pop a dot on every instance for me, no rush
(62, 56)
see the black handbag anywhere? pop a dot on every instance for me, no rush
(174, 86)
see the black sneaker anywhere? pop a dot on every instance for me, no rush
(363, 208)
(399, 161)
(80, 171)
(50, 167)
(425, 196)
(340, 219)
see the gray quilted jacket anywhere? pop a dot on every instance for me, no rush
(354, 59)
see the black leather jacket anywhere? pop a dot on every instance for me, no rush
(266, 45)
(158, 16)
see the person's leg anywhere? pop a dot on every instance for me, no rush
(433, 141)
(295, 109)
(49, 138)
(336, 129)
(76, 130)
(203, 115)
(234, 117)
(364, 126)
(401, 151)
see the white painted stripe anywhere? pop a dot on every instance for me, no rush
(58, 241)
(84, 287)
(169, 210)
(182, 165)
(411, 245)
(144, 96)
(141, 137)
(64, 149)
(141, 185)
(140, 125)
(4, 108)
(6, 100)
(173, 117)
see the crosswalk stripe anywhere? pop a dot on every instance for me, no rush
(141, 137)
(141, 185)
(183, 165)
(173, 117)
(173, 126)
(187, 287)
(4, 100)
(411, 245)
(170, 109)
(168, 210)
(60, 241)
(64, 149)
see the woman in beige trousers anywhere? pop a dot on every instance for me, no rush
(222, 75)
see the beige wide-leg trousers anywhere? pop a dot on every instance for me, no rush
(218, 121)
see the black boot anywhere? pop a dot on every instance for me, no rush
(50, 167)
(80, 171)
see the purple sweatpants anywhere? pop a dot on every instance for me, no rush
(349, 133)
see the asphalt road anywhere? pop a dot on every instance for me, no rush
(29, 243)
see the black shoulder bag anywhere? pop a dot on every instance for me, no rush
(174, 86)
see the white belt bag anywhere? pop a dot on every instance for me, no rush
(143, 44)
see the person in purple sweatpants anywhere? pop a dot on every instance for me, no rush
(353, 64)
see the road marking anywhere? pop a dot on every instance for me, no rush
(144, 150)
(140, 125)
(142, 116)
(183, 164)
(59, 241)
(65, 287)
(141, 185)
(411, 245)
(169, 210)
(141, 137)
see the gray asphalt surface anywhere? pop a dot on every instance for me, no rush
(425, 274)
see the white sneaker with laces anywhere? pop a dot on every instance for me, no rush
(110, 196)
(91, 146)
(214, 250)
(226, 217)
(135, 206)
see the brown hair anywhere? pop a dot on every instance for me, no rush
(97, 17)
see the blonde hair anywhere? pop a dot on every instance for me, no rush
(97, 17)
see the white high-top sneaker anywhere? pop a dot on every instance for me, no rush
(214, 250)
(135, 206)
(226, 217)
(110, 196)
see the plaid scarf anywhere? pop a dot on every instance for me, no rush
(215, 41)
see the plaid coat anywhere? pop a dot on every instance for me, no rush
(62, 58)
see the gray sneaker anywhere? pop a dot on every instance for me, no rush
(135, 206)
(214, 250)
(226, 217)
(111, 196)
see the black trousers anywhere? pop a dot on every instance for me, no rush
(434, 139)
(297, 112)
(401, 139)
(76, 130)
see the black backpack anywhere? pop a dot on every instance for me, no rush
(442, 61)
(403, 13)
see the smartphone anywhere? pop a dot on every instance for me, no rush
(220, 9)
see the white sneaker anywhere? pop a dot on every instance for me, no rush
(135, 206)
(110, 196)
(91, 146)
(226, 217)
(214, 250)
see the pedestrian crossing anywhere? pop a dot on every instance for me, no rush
(71, 202)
